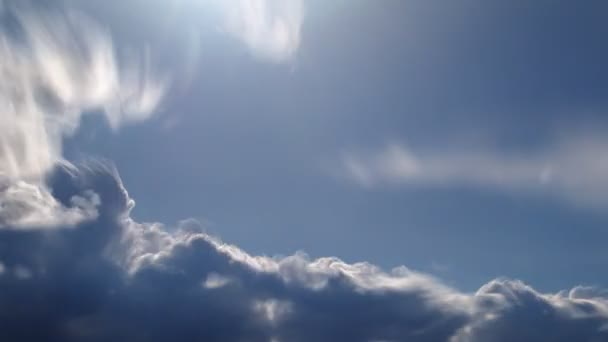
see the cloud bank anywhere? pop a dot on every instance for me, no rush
(574, 169)
(117, 279)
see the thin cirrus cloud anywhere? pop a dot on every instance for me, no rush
(270, 28)
(574, 169)
(65, 65)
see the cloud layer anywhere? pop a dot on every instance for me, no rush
(574, 169)
(117, 279)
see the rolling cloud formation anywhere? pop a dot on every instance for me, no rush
(116, 279)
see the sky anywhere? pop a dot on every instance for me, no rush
(297, 170)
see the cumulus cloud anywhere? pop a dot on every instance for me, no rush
(117, 279)
(270, 28)
(55, 68)
(575, 169)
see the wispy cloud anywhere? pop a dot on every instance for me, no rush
(574, 169)
(56, 67)
(63, 65)
(270, 28)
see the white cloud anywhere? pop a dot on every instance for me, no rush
(575, 169)
(270, 28)
(25, 205)
(62, 66)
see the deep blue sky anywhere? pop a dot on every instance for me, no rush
(253, 147)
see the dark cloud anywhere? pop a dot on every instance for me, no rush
(116, 279)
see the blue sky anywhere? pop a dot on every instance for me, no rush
(254, 146)
(463, 139)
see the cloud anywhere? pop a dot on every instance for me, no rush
(55, 68)
(270, 28)
(26, 205)
(99, 275)
(574, 169)
(58, 68)
(117, 279)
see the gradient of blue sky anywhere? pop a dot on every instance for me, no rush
(254, 147)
